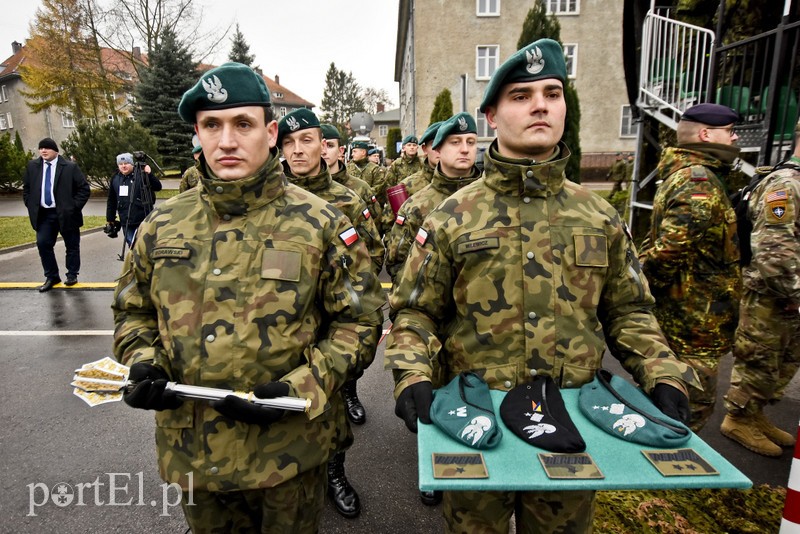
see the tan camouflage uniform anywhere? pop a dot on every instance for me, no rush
(374, 175)
(518, 274)
(415, 182)
(238, 283)
(617, 174)
(402, 167)
(361, 188)
(691, 259)
(767, 346)
(190, 178)
(413, 212)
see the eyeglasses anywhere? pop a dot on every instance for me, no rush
(731, 129)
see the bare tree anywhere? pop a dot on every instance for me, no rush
(372, 97)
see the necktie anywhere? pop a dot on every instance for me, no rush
(48, 188)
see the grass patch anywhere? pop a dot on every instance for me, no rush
(17, 230)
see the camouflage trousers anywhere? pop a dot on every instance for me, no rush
(766, 352)
(701, 403)
(473, 512)
(294, 507)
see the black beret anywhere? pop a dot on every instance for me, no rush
(299, 119)
(48, 143)
(231, 85)
(535, 412)
(711, 114)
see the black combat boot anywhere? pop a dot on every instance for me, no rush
(430, 498)
(340, 492)
(355, 410)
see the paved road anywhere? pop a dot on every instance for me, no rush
(48, 436)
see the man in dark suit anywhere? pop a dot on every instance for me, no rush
(55, 190)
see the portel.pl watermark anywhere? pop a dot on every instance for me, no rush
(108, 489)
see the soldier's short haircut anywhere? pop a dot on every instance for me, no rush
(688, 131)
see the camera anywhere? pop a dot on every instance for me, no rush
(139, 156)
(111, 229)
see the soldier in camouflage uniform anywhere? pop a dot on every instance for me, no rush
(191, 176)
(417, 181)
(300, 140)
(455, 149)
(617, 173)
(247, 283)
(361, 167)
(407, 164)
(767, 346)
(522, 273)
(691, 254)
(333, 154)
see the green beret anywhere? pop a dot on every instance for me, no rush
(299, 119)
(461, 123)
(622, 410)
(197, 149)
(231, 85)
(410, 138)
(430, 132)
(539, 60)
(329, 131)
(464, 411)
(360, 144)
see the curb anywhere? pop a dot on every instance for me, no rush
(26, 246)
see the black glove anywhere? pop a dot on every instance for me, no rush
(239, 409)
(149, 393)
(671, 401)
(111, 229)
(415, 402)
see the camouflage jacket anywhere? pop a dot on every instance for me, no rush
(774, 209)
(374, 175)
(190, 178)
(237, 283)
(361, 188)
(523, 273)
(349, 203)
(691, 254)
(617, 171)
(413, 212)
(420, 179)
(401, 168)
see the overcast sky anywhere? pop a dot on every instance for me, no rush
(299, 44)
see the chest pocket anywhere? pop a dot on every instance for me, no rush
(590, 250)
(281, 265)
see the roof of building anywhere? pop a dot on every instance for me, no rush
(392, 115)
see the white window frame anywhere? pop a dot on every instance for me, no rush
(3, 95)
(563, 7)
(67, 119)
(628, 128)
(282, 111)
(484, 130)
(483, 8)
(486, 59)
(383, 130)
(10, 122)
(571, 58)
(278, 94)
(3, 122)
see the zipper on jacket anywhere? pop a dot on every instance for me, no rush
(356, 304)
(412, 300)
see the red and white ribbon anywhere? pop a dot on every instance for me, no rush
(790, 524)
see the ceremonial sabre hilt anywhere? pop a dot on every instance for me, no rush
(105, 381)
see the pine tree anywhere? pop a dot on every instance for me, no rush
(341, 98)
(442, 107)
(393, 136)
(538, 25)
(169, 74)
(240, 50)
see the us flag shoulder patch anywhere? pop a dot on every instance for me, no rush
(367, 214)
(422, 236)
(778, 195)
(400, 220)
(349, 236)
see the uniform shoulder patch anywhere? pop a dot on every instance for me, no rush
(366, 213)
(349, 236)
(422, 236)
(400, 220)
(699, 174)
(776, 207)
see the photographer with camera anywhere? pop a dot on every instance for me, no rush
(131, 194)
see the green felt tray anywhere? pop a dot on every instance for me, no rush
(514, 465)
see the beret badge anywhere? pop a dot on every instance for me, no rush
(214, 89)
(535, 60)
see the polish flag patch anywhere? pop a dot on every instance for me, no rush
(349, 236)
(422, 236)
(400, 220)
(374, 199)
(367, 213)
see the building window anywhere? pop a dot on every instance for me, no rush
(383, 130)
(278, 94)
(563, 7)
(67, 119)
(3, 95)
(628, 128)
(484, 130)
(486, 61)
(571, 57)
(10, 122)
(3, 122)
(283, 111)
(488, 8)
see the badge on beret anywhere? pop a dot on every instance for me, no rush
(292, 123)
(535, 412)
(624, 411)
(213, 87)
(463, 409)
(535, 60)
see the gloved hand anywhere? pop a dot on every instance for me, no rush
(239, 409)
(671, 401)
(415, 402)
(149, 392)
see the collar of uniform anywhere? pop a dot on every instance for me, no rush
(237, 197)
(362, 164)
(518, 176)
(674, 159)
(319, 182)
(724, 153)
(449, 185)
(340, 176)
